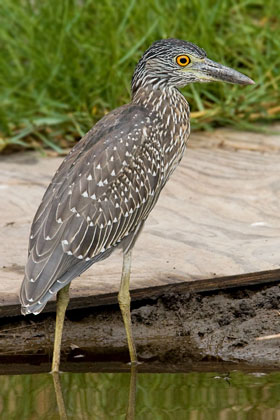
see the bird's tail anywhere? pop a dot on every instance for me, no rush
(34, 300)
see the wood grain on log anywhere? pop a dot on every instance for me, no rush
(217, 222)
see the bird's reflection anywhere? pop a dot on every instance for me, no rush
(59, 396)
(130, 413)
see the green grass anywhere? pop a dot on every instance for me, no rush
(64, 63)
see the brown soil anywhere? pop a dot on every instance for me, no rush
(175, 329)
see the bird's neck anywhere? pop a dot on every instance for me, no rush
(169, 113)
(155, 99)
(168, 106)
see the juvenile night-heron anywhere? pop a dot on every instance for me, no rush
(108, 184)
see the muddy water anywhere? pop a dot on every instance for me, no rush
(194, 396)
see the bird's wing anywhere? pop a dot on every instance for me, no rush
(104, 188)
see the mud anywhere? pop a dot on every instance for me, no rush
(175, 329)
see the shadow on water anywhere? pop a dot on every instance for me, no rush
(194, 396)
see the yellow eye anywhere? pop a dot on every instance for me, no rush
(183, 60)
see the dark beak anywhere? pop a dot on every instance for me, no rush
(209, 71)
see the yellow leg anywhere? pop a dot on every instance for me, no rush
(61, 305)
(124, 302)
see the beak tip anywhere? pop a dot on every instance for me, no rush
(250, 82)
(243, 80)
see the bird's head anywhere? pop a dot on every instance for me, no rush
(172, 62)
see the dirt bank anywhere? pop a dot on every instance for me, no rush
(173, 329)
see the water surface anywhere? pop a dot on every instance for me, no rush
(193, 396)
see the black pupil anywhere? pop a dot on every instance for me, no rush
(183, 60)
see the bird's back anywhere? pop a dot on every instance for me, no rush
(100, 196)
